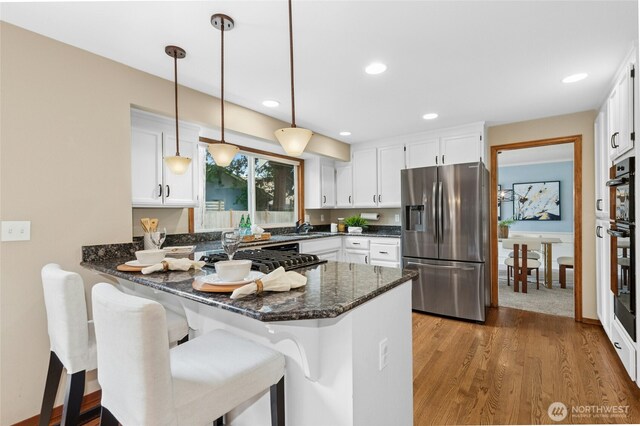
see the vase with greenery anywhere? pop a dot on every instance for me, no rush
(503, 227)
(356, 221)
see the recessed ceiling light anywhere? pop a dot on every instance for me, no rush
(430, 116)
(375, 68)
(575, 77)
(270, 104)
(345, 133)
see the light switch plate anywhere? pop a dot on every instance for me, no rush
(397, 218)
(16, 230)
(321, 218)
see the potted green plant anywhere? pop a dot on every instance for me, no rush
(503, 227)
(355, 224)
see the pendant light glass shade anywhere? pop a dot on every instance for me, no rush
(223, 153)
(293, 139)
(176, 164)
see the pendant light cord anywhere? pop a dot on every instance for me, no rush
(293, 102)
(175, 73)
(222, 81)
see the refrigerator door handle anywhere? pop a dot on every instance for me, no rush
(427, 265)
(433, 212)
(440, 203)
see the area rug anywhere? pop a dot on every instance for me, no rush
(554, 301)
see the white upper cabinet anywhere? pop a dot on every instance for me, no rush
(423, 154)
(365, 191)
(460, 149)
(328, 186)
(344, 185)
(390, 163)
(620, 104)
(180, 190)
(152, 183)
(601, 155)
(319, 183)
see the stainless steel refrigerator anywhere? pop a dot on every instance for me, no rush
(445, 236)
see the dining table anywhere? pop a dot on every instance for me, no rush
(547, 249)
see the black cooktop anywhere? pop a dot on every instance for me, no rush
(267, 260)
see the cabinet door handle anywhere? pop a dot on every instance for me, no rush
(613, 140)
(349, 199)
(599, 204)
(356, 244)
(436, 159)
(598, 233)
(617, 345)
(159, 190)
(324, 199)
(442, 158)
(168, 191)
(374, 198)
(383, 252)
(379, 198)
(366, 259)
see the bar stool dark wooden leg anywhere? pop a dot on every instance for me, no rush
(277, 403)
(73, 398)
(51, 388)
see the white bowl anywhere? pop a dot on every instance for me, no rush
(150, 257)
(233, 270)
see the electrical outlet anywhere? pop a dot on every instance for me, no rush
(397, 218)
(16, 231)
(321, 218)
(383, 356)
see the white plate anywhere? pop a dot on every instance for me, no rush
(137, 264)
(213, 279)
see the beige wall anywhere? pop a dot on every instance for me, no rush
(566, 125)
(65, 166)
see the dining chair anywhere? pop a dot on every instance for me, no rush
(72, 340)
(193, 383)
(520, 266)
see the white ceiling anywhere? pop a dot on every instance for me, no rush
(543, 154)
(494, 61)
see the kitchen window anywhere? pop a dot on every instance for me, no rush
(257, 184)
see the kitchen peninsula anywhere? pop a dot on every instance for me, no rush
(346, 335)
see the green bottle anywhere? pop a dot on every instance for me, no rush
(242, 225)
(247, 226)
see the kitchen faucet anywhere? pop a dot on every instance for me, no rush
(303, 227)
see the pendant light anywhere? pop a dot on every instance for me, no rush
(177, 164)
(293, 139)
(222, 152)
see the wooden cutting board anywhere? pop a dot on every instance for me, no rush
(127, 268)
(210, 288)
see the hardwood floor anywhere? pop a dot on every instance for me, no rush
(509, 370)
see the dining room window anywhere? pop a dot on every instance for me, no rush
(264, 187)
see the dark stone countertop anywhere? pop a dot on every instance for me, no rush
(332, 289)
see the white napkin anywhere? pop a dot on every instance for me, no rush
(171, 264)
(255, 229)
(278, 280)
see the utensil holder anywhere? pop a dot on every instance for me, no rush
(148, 245)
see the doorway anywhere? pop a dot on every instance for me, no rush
(576, 142)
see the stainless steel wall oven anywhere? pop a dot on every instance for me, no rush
(622, 231)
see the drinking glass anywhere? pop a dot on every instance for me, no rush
(158, 237)
(230, 242)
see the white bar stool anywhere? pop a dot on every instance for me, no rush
(72, 340)
(146, 383)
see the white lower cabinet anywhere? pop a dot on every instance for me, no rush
(604, 296)
(324, 248)
(624, 348)
(356, 256)
(385, 252)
